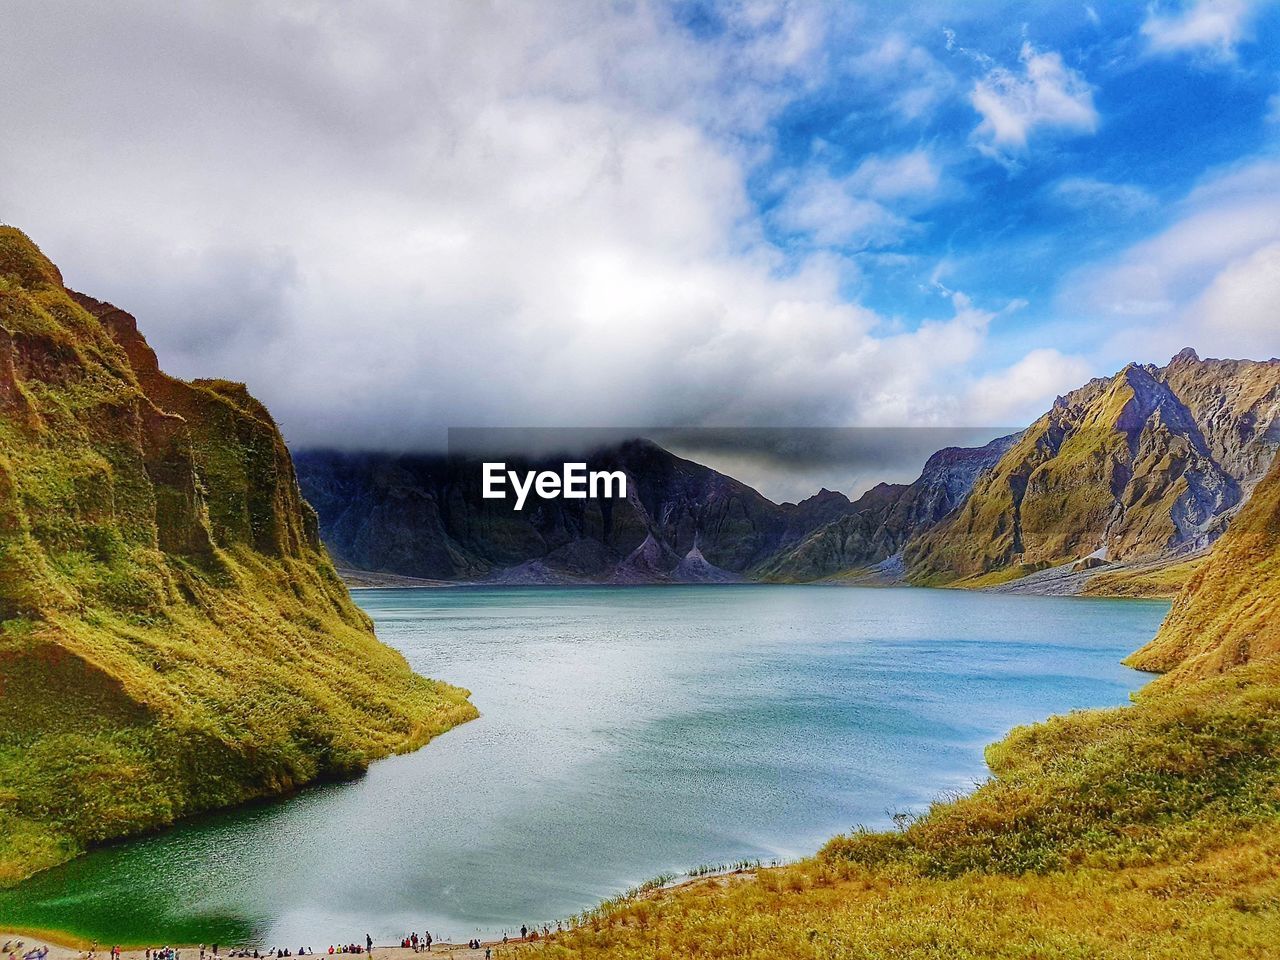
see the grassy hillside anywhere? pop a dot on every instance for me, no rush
(1157, 581)
(172, 635)
(1230, 612)
(1151, 831)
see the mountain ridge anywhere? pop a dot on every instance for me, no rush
(423, 516)
(1117, 488)
(1152, 461)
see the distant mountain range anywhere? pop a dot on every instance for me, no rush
(1127, 475)
(424, 516)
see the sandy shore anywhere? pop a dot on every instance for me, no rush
(62, 950)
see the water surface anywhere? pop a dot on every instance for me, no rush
(625, 732)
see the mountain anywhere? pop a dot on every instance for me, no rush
(173, 636)
(1152, 462)
(423, 516)
(1118, 489)
(884, 519)
(1229, 614)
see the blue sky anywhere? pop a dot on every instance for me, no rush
(390, 218)
(1009, 220)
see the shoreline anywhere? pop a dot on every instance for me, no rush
(1059, 582)
(63, 945)
(66, 946)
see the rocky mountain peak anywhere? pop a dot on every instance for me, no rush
(1151, 462)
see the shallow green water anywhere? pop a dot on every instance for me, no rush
(626, 732)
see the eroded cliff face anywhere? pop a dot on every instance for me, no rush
(1229, 613)
(174, 637)
(884, 519)
(1151, 462)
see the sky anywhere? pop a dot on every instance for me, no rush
(393, 217)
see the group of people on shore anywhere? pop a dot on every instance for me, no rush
(414, 942)
(14, 948)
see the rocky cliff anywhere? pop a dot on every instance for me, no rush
(423, 516)
(1152, 462)
(883, 520)
(173, 636)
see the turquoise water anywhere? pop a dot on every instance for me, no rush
(626, 732)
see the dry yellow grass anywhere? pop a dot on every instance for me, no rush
(1143, 833)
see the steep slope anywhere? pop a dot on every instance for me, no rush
(1152, 462)
(885, 518)
(1229, 613)
(172, 634)
(424, 516)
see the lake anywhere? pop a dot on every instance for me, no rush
(625, 732)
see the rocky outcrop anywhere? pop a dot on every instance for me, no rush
(1152, 462)
(174, 635)
(883, 520)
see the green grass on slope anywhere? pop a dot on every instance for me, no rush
(173, 637)
(1157, 582)
(1146, 832)
(124, 724)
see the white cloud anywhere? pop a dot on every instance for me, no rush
(830, 213)
(913, 174)
(1208, 279)
(1044, 94)
(1206, 26)
(1087, 193)
(390, 218)
(1022, 391)
(905, 74)
(1241, 305)
(859, 210)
